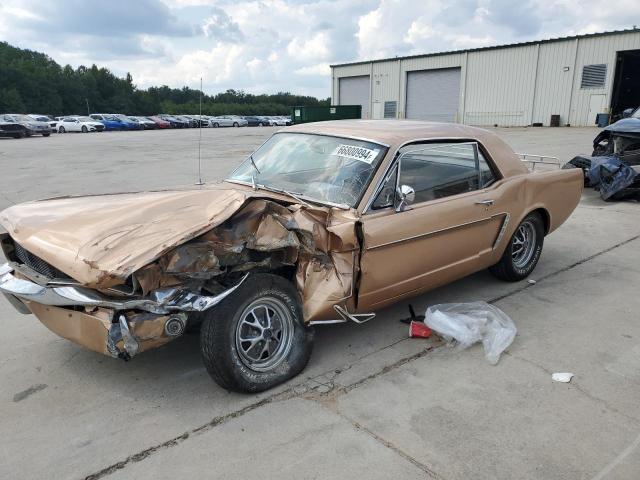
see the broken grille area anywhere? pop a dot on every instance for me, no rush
(36, 263)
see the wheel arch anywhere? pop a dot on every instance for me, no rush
(544, 214)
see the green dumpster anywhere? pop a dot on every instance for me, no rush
(319, 114)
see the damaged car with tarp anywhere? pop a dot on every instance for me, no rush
(613, 168)
(325, 223)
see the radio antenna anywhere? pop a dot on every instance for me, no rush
(200, 182)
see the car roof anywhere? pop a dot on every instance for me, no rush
(396, 133)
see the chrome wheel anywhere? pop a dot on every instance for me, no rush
(264, 334)
(523, 245)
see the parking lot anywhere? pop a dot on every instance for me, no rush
(372, 403)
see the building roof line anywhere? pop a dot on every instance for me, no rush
(493, 47)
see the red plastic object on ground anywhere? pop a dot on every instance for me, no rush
(419, 330)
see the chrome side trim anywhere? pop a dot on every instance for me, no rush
(435, 232)
(327, 322)
(505, 222)
(161, 301)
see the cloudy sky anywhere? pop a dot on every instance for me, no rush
(282, 45)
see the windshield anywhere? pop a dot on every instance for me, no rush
(18, 118)
(85, 119)
(318, 167)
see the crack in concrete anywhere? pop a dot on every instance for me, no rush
(328, 394)
(426, 469)
(138, 457)
(575, 385)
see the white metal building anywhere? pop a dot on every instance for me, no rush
(510, 85)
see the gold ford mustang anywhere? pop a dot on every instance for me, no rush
(326, 222)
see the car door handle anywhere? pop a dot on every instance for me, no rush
(484, 202)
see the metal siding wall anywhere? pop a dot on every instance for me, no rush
(512, 86)
(355, 91)
(433, 94)
(553, 85)
(597, 50)
(384, 86)
(500, 86)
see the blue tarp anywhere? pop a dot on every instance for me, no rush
(611, 175)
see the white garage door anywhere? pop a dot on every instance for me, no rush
(355, 91)
(433, 94)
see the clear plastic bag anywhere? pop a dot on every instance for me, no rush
(468, 323)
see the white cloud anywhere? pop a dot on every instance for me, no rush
(321, 69)
(314, 48)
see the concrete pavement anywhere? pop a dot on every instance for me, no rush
(372, 403)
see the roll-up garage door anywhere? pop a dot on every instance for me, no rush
(355, 91)
(433, 94)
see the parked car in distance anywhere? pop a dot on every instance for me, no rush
(228, 121)
(174, 121)
(144, 122)
(191, 123)
(199, 121)
(127, 123)
(79, 124)
(256, 121)
(279, 121)
(109, 121)
(160, 123)
(317, 226)
(32, 126)
(47, 119)
(12, 129)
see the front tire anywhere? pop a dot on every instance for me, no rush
(61, 130)
(84, 129)
(523, 251)
(46, 134)
(235, 124)
(256, 339)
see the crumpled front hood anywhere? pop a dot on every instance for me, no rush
(100, 240)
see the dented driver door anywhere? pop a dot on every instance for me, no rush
(442, 235)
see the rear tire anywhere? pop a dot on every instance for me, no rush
(46, 134)
(256, 339)
(523, 251)
(235, 124)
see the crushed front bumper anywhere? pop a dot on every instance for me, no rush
(161, 301)
(117, 327)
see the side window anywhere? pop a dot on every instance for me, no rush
(487, 177)
(443, 169)
(387, 195)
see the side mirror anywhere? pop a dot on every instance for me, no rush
(405, 195)
(627, 112)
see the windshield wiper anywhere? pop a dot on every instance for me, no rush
(294, 195)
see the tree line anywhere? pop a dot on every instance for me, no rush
(32, 82)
